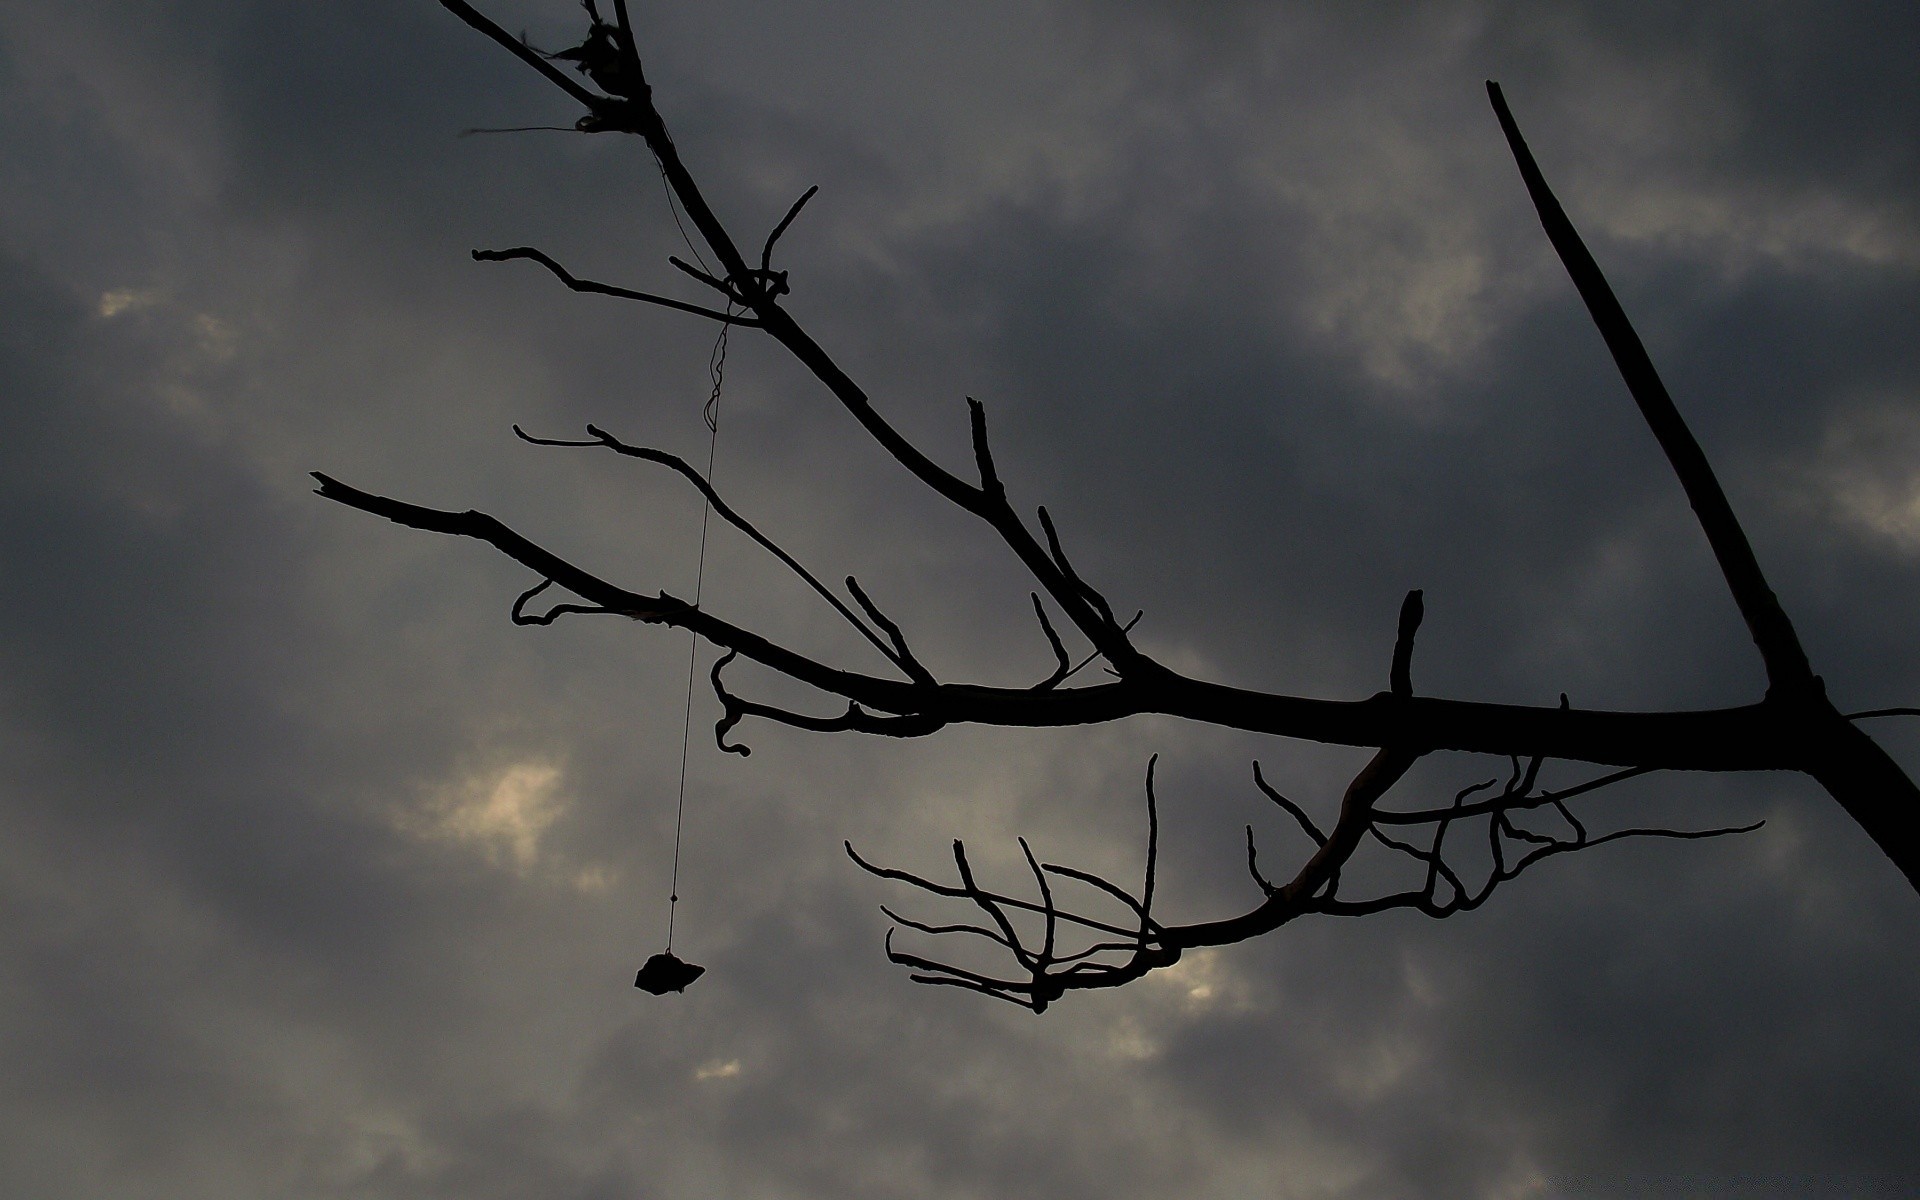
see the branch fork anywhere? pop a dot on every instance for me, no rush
(1794, 727)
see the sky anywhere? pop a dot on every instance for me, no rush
(320, 878)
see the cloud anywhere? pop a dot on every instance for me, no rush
(1744, 230)
(717, 1070)
(323, 877)
(1865, 475)
(501, 813)
(122, 300)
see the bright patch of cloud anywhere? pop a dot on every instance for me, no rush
(1887, 507)
(717, 1070)
(125, 300)
(503, 813)
(1745, 228)
(1869, 472)
(594, 880)
(1202, 983)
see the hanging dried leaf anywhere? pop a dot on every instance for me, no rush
(664, 973)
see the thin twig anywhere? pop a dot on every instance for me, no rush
(598, 437)
(607, 289)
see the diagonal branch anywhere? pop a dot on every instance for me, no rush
(766, 253)
(1858, 773)
(902, 653)
(1773, 633)
(525, 53)
(1064, 665)
(673, 462)
(635, 113)
(1293, 810)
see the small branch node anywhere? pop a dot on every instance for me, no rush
(1401, 675)
(1063, 665)
(990, 485)
(732, 709)
(902, 654)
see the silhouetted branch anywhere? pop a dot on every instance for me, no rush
(625, 27)
(1053, 640)
(598, 437)
(1049, 972)
(902, 653)
(607, 289)
(734, 709)
(1401, 675)
(1085, 589)
(524, 53)
(1772, 632)
(1795, 727)
(766, 254)
(1516, 796)
(1751, 737)
(719, 285)
(1293, 810)
(990, 485)
(1313, 890)
(949, 891)
(1253, 866)
(1139, 906)
(1424, 816)
(937, 930)
(521, 617)
(1153, 851)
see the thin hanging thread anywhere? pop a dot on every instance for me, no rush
(716, 368)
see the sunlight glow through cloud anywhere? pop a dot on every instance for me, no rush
(502, 814)
(124, 300)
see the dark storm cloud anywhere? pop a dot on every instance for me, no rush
(321, 879)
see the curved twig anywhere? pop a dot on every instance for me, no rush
(520, 616)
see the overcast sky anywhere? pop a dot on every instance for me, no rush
(319, 878)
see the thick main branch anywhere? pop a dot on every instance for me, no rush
(1752, 737)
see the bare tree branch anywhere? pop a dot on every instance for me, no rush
(1884, 712)
(1293, 810)
(523, 52)
(1400, 677)
(600, 437)
(1065, 666)
(521, 616)
(1773, 633)
(1754, 737)
(1795, 727)
(607, 289)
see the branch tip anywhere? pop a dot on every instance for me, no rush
(1401, 673)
